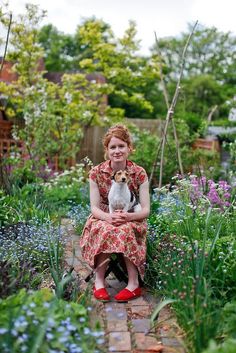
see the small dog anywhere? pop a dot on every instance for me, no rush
(120, 197)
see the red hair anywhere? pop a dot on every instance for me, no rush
(119, 131)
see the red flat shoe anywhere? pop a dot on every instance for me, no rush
(125, 294)
(101, 294)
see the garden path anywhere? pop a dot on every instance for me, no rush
(127, 326)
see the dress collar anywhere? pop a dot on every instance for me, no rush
(106, 167)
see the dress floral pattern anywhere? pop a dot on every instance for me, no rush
(102, 237)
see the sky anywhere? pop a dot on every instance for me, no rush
(165, 17)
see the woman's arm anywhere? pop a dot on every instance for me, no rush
(113, 218)
(95, 201)
(144, 200)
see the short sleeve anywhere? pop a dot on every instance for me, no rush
(93, 174)
(142, 177)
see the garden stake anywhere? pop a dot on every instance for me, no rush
(172, 106)
(165, 93)
(6, 44)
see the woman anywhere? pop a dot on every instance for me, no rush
(119, 232)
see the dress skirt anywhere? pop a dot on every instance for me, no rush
(102, 237)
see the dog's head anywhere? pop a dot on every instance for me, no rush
(120, 176)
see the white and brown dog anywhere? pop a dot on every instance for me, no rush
(120, 197)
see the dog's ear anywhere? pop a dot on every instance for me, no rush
(113, 176)
(128, 177)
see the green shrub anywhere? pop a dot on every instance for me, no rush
(38, 322)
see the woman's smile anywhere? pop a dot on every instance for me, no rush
(117, 150)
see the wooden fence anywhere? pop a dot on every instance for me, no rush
(92, 144)
(207, 144)
(5, 128)
(9, 147)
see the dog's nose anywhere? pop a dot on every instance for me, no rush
(123, 179)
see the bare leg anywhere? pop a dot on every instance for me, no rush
(133, 282)
(101, 270)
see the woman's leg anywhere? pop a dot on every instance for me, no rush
(101, 266)
(133, 281)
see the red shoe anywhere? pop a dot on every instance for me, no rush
(125, 294)
(101, 294)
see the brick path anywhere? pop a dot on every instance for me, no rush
(127, 326)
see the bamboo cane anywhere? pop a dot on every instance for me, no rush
(6, 44)
(172, 106)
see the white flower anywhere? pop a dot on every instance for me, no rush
(87, 114)
(68, 97)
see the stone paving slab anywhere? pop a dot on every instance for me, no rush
(144, 342)
(140, 311)
(127, 325)
(140, 325)
(117, 326)
(119, 341)
(115, 311)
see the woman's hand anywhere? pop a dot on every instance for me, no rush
(118, 218)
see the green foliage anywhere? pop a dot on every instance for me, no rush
(59, 49)
(209, 75)
(190, 252)
(224, 261)
(228, 346)
(146, 145)
(117, 60)
(229, 319)
(204, 162)
(22, 205)
(53, 116)
(66, 189)
(200, 94)
(41, 200)
(26, 253)
(38, 322)
(210, 52)
(24, 39)
(194, 121)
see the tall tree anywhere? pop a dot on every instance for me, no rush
(59, 49)
(54, 116)
(210, 70)
(211, 52)
(117, 60)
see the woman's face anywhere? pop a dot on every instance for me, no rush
(117, 150)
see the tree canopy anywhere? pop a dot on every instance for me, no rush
(59, 113)
(210, 67)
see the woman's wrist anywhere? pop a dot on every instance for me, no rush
(129, 216)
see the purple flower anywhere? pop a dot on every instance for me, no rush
(224, 185)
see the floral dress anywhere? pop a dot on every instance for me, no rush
(102, 237)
